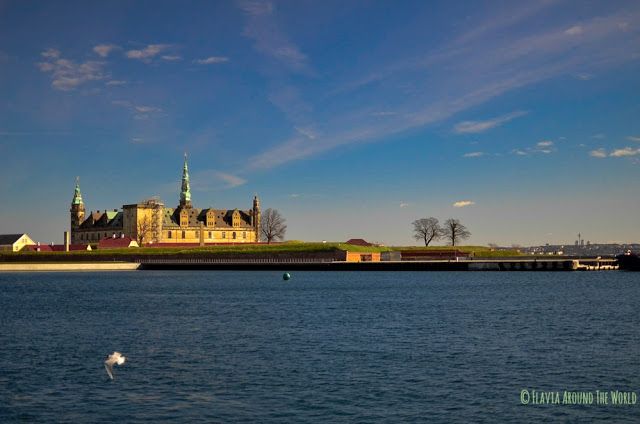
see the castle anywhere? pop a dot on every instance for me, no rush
(151, 223)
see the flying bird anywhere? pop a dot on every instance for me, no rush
(113, 359)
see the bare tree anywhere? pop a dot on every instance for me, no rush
(144, 230)
(455, 232)
(427, 230)
(272, 226)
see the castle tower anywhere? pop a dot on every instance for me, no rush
(77, 211)
(185, 191)
(256, 216)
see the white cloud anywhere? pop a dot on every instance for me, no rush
(584, 76)
(211, 60)
(598, 153)
(103, 50)
(256, 8)
(473, 154)
(529, 56)
(599, 136)
(574, 30)
(147, 109)
(633, 138)
(170, 58)
(51, 53)
(116, 82)
(307, 132)
(545, 146)
(269, 39)
(211, 179)
(463, 203)
(294, 195)
(148, 52)
(467, 127)
(231, 180)
(139, 111)
(67, 75)
(404, 204)
(624, 152)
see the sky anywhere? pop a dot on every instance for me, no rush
(352, 118)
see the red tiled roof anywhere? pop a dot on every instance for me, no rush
(55, 247)
(359, 242)
(115, 243)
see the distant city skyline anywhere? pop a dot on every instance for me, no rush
(353, 119)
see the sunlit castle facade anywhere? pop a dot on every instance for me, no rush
(150, 222)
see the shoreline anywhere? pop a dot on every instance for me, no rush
(556, 265)
(68, 266)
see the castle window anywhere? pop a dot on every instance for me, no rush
(197, 233)
(169, 234)
(234, 235)
(184, 234)
(244, 234)
(224, 234)
(210, 234)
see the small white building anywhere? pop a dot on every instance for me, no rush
(15, 242)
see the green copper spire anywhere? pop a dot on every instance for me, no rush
(185, 192)
(77, 196)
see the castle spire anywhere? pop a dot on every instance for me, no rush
(77, 196)
(185, 192)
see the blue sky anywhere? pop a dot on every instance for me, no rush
(351, 118)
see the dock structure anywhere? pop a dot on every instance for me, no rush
(323, 264)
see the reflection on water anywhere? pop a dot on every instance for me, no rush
(323, 347)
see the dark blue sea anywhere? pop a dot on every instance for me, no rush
(324, 347)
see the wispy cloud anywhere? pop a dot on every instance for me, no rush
(139, 111)
(599, 136)
(116, 82)
(473, 154)
(585, 76)
(268, 38)
(231, 180)
(148, 52)
(463, 203)
(499, 65)
(544, 147)
(574, 30)
(171, 58)
(307, 132)
(211, 60)
(404, 204)
(68, 75)
(211, 180)
(633, 138)
(466, 127)
(615, 153)
(103, 50)
(624, 152)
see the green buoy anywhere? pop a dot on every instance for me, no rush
(286, 276)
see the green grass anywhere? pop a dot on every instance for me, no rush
(477, 251)
(287, 247)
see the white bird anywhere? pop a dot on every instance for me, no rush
(113, 359)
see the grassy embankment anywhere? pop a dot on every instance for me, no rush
(281, 248)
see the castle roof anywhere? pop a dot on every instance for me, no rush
(107, 220)
(222, 217)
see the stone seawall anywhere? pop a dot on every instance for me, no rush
(62, 266)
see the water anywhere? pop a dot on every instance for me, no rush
(323, 347)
